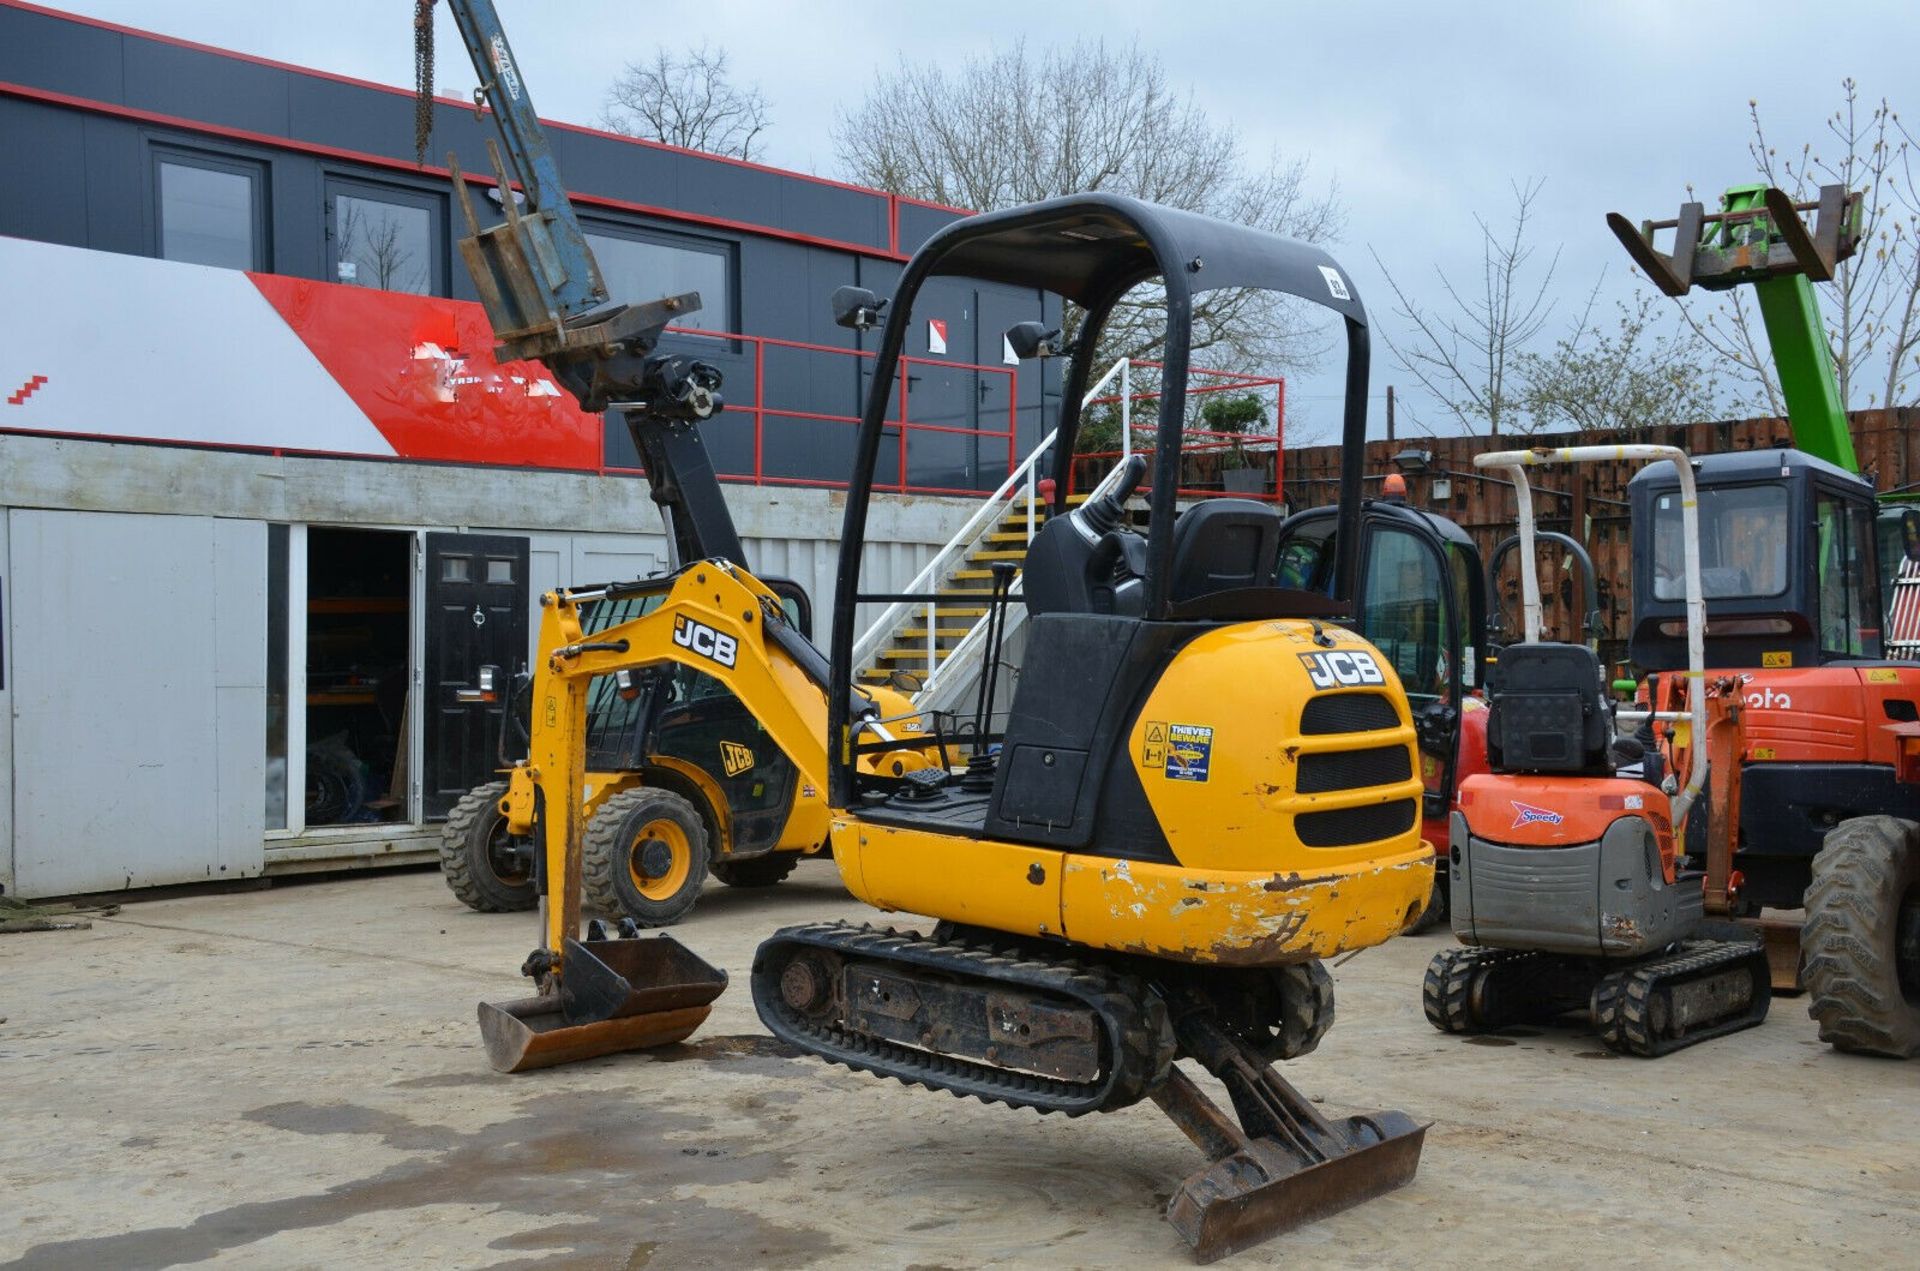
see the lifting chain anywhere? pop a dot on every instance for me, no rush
(422, 79)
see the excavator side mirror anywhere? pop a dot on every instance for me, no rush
(1035, 339)
(856, 308)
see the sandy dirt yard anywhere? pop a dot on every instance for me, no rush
(293, 1078)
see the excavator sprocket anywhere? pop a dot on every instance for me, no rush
(1703, 989)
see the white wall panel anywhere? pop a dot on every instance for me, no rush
(118, 704)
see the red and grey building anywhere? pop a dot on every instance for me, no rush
(266, 499)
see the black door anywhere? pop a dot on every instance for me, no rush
(477, 608)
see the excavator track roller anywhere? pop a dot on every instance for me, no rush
(965, 1017)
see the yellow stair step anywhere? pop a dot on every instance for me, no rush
(997, 554)
(912, 655)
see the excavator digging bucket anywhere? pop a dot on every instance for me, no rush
(614, 996)
(1258, 1193)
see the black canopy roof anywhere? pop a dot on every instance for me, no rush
(1086, 246)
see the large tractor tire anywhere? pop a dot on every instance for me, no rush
(486, 867)
(756, 871)
(644, 856)
(1860, 950)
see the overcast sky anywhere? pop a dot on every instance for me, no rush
(1422, 111)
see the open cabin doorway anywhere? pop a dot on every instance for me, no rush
(359, 626)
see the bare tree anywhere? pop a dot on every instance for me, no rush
(1872, 307)
(373, 242)
(1019, 126)
(1628, 379)
(686, 100)
(1466, 357)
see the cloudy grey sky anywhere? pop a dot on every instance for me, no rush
(1422, 111)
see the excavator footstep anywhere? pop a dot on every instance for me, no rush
(618, 995)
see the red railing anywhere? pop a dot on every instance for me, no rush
(966, 397)
(991, 454)
(1203, 451)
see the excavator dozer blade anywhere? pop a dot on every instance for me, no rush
(615, 996)
(1251, 1196)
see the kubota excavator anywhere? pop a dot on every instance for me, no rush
(1567, 884)
(1204, 784)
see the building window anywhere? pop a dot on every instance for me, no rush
(212, 209)
(387, 238)
(640, 266)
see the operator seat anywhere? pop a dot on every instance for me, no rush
(1223, 545)
(1550, 712)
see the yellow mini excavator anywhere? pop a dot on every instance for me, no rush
(1203, 786)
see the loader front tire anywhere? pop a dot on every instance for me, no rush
(488, 868)
(1860, 949)
(644, 856)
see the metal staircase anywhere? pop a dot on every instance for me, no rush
(940, 642)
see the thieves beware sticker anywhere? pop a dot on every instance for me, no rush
(1189, 752)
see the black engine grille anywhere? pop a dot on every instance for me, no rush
(1353, 769)
(1344, 827)
(1348, 713)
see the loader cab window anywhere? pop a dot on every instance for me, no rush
(1464, 566)
(1306, 557)
(1848, 592)
(1744, 533)
(1402, 611)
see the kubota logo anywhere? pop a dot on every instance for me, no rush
(1342, 668)
(1527, 814)
(705, 641)
(735, 758)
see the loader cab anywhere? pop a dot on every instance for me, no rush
(1421, 600)
(1108, 607)
(1789, 565)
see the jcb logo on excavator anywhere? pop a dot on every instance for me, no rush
(705, 641)
(735, 758)
(1342, 668)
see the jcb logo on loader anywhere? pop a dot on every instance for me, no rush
(1342, 668)
(705, 641)
(735, 758)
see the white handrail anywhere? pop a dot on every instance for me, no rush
(1516, 462)
(929, 577)
(1124, 369)
(970, 644)
(882, 629)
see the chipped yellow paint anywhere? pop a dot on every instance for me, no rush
(1233, 918)
(1245, 919)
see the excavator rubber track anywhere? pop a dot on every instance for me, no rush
(1703, 989)
(950, 1014)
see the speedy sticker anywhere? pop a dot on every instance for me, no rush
(1527, 814)
(1189, 752)
(1342, 668)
